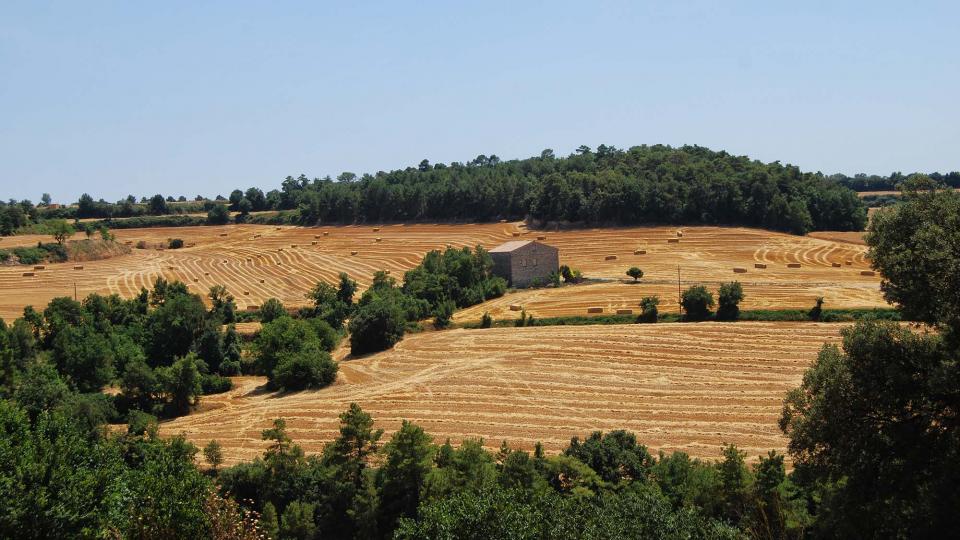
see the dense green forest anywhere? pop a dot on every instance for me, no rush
(644, 184)
(873, 429)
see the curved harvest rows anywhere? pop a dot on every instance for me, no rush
(690, 387)
(256, 262)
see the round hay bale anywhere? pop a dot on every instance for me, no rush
(313, 243)
(39, 267)
(639, 252)
(223, 234)
(378, 239)
(541, 238)
(793, 265)
(679, 234)
(867, 273)
(263, 281)
(376, 229)
(836, 265)
(516, 234)
(739, 270)
(28, 274)
(325, 233)
(78, 267)
(759, 265)
(354, 252)
(515, 307)
(594, 310)
(673, 240)
(610, 258)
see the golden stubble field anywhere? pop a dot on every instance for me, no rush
(256, 262)
(689, 387)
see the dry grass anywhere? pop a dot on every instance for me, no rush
(690, 387)
(259, 260)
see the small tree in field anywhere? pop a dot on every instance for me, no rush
(696, 302)
(60, 230)
(816, 312)
(648, 306)
(635, 273)
(213, 454)
(731, 294)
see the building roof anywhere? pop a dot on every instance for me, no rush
(514, 245)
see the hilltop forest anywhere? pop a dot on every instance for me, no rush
(643, 184)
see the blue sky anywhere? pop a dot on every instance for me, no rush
(194, 98)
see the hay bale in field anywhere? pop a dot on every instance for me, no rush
(246, 293)
(39, 267)
(313, 243)
(759, 265)
(196, 279)
(263, 281)
(253, 308)
(279, 228)
(516, 234)
(679, 234)
(836, 265)
(595, 310)
(249, 259)
(28, 274)
(610, 258)
(206, 273)
(376, 229)
(78, 267)
(639, 252)
(316, 236)
(793, 265)
(739, 270)
(867, 273)
(378, 239)
(293, 245)
(541, 238)
(325, 233)
(673, 240)
(515, 307)
(128, 243)
(624, 312)
(849, 263)
(223, 234)
(354, 252)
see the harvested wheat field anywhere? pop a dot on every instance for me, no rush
(690, 387)
(256, 262)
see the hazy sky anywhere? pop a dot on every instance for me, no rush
(181, 98)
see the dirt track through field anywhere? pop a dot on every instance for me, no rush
(256, 262)
(690, 387)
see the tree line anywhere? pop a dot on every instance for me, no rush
(642, 184)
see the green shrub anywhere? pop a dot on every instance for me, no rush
(30, 255)
(229, 368)
(310, 368)
(376, 326)
(696, 302)
(215, 384)
(731, 294)
(443, 314)
(648, 307)
(486, 321)
(175, 243)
